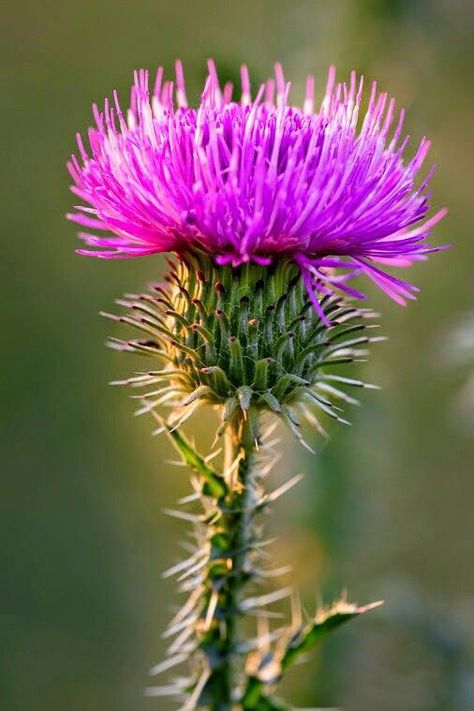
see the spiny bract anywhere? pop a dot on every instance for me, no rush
(243, 339)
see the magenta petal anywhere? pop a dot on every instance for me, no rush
(257, 179)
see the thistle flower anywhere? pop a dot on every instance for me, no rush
(269, 210)
(257, 180)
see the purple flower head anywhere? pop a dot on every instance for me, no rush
(257, 179)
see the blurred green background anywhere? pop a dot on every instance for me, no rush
(385, 508)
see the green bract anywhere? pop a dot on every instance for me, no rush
(243, 339)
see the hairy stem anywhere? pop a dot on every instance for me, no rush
(234, 538)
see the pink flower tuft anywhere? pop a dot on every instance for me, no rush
(257, 179)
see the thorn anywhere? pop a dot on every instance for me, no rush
(370, 606)
(163, 690)
(268, 599)
(271, 615)
(187, 608)
(211, 610)
(191, 703)
(194, 569)
(268, 542)
(172, 630)
(263, 630)
(180, 566)
(212, 456)
(191, 497)
(179, 641)
(269, 430)
(272, 443)
(168, 664)
(231, 469)
(260, 642)
(274, 495)
(296, 610)
(276, 572)
(182, 515)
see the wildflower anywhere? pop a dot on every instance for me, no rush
(269, 209)
(258, 180)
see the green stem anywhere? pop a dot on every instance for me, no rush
(232, 539)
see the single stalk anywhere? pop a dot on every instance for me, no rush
(233, 567)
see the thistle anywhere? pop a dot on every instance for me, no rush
(270, 211)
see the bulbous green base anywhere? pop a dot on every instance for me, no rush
(245, 338)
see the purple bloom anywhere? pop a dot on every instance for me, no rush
(256, 179)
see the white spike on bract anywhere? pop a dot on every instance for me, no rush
(262, 600)
(275, 572)
(191, 497)
(188, 606)
(263, 629)
(190, 410)
(269, 430)
(212, 455)
(256, 643)
(194, 518)
(231, 469)
(181, 565)
(152, 380)
(350, 381)
(305, 444)
(193, 569)
(338, 394)
(168, 664)
(150, 406)
(269, 614)
(151, 393)
(196, 485)
(171, 631)
(296, 610)
(343, 607)
(264, 471)
(180, 640)
(274, 495)
(273, 443)
(136, 379)
(176, 463)
(344, 422)
(211, 610)
(169, 690)
(313, 421)
(189, 585)
(266, 543)
(191, 703)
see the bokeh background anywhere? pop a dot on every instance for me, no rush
(385, 508)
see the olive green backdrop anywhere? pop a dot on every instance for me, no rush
(385, 508)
